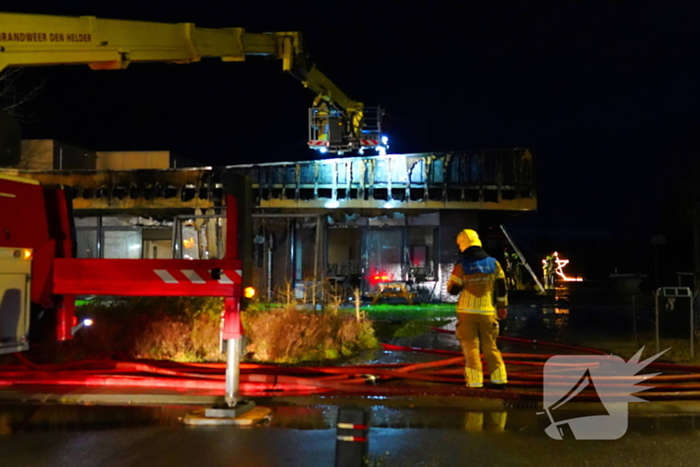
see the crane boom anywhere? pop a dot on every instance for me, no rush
(337, 123)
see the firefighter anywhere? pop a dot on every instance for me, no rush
(481, 284)
(512, 269)
(548, 270)
(321, 120)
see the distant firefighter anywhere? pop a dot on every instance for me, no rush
(481, 284)
(513, 270)
(549, 269)
(322, 121)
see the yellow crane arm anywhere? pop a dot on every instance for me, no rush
(107, 44)
(104, 44)
(287, 46)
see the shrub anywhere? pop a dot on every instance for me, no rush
(160, 328)
(188, 329)
(290, 335)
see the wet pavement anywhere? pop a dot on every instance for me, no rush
(586, 313)
(304, 436)
(404, 431)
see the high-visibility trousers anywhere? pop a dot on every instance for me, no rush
(473, 329)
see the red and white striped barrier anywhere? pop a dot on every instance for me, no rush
(128, 277)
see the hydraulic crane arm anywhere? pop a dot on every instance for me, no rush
(287, 46)
(106, 44)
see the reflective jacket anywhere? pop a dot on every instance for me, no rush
(480, 282)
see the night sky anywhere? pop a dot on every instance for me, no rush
(606, 95)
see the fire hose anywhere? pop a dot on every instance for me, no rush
(442, 377)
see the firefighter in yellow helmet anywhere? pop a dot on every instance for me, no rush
(322, 113)
(481, 284)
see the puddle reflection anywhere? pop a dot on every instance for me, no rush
(485, 421)
(41, 418)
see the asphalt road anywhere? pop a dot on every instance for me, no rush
(303, 436)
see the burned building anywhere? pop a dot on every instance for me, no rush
(353, 221)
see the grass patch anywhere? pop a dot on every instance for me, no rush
(417, 327)
(407, 320)
(405, 313)
(382, 311)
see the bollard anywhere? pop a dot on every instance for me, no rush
(352, 437)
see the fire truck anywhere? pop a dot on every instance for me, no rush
(337, 124)
(39, 270)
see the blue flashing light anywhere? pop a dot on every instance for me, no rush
(323, 150)
(385, 140)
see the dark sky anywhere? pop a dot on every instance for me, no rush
(606, 94)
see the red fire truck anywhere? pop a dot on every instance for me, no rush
(39, 270)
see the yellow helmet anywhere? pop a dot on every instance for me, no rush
(467, 238)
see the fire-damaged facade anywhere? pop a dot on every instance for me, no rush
(355, 221)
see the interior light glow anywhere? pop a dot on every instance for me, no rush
(383, 278)
(379, 275)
